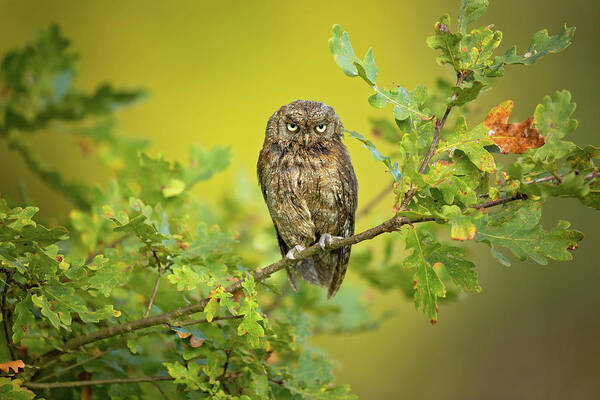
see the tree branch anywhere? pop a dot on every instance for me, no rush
(54, 385)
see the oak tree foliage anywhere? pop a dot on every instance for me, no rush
(147, 287)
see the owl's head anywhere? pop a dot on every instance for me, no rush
(304, 123)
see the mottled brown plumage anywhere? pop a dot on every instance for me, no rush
(307, 180)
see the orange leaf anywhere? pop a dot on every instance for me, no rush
(511, 138)
(183, 335)
(196, 342)
(14, 365)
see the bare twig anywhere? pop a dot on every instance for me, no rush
(436, 138)
(112, 244)
(204, 320)
(162, 392)
(559, 176)
(159, 267)
(371, 204)
(492, 203)
(54, 385)
(6, 319)
(70, 367)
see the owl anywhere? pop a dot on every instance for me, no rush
(307, 180)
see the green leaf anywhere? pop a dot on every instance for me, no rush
(552, 120)
(205, 163)
(188, 376)
(518, 229)
(472, 143)
(250, 325)
(24, 320)
(56, 303)
(343, 54)
(173, 188)
(465, 94)
(541, 44)
(12, 389)
(385, 129)
(391, 165)
(428, 286)
(462, 226)
(39, 80)
(448, 43)
(470, 11)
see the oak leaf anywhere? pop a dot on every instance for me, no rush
(511, 138)
(14, 365)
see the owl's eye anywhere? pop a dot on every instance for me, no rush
(292, 127)
(321, 128)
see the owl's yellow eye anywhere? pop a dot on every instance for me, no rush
(292, 127)
(321, 128)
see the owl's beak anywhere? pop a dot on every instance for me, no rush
(306, 139)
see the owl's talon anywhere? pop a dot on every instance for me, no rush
(326, 239)
(291, 255)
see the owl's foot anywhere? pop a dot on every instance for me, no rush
(326, 239)
(291, 255)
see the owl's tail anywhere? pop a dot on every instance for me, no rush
(326, 269)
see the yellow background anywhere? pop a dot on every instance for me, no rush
(217, 70)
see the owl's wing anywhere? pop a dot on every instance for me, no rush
(284, 249)
(347, 202)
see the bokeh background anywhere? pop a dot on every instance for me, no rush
(216, 71)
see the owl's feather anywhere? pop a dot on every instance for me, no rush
(310, 188)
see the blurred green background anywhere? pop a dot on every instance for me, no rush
(217, 72)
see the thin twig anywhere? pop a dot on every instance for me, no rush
(70, 367)
(492, 203)
(5, 318)
(111, 245)
(557, 177)
(227, 354)
(179, 324)
(162, 392)
(371, 204)
(159, 267)
(436, 138)
(54, 385)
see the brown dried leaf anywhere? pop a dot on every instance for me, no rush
(14, 365)
(511, 138)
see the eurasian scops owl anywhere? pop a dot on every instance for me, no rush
(307, 180)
